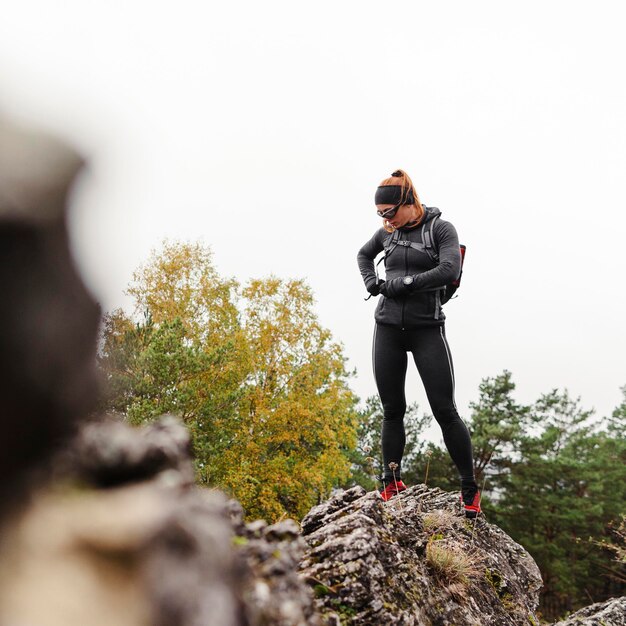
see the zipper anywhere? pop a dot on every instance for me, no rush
(406, 269)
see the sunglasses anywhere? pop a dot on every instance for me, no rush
(389, 213)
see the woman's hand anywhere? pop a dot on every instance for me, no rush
(396, 287)
(374, 288)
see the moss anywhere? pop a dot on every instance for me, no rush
(344, 610)
(495, 579)
(498, 583)
(508, 604)
(412, 596)
(321, 590)
(532, 620)
(437, 537)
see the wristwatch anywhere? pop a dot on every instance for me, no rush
(408, 280)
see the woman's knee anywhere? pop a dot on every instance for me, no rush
(393, 411)
(446, 414)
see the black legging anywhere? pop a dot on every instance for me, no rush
(434, 363)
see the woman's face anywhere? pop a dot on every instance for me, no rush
(405, 214)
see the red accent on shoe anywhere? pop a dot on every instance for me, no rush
(393, 488)
(472, 507)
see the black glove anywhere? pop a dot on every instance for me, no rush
(396, 287)
(374, 288)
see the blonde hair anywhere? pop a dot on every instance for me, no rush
(401, 178)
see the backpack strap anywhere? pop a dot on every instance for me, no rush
(392, 245)
(429, 240)
(427, 244)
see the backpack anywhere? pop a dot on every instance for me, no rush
(428, 245)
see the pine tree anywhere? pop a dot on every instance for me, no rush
(563, 488)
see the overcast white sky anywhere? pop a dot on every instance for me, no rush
(263, 129)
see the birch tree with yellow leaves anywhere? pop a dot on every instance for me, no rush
(261, 385)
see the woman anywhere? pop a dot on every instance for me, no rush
(422, 255)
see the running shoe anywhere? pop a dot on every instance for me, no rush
(392, 488)
(470, 498)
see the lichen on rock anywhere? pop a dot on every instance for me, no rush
(415, 560)
(609, 613)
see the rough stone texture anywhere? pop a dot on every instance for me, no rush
(108, 452)
(156, 551)
(372, 562)
(134, 555)
(609, 613)
(264, 558)
(273, 592)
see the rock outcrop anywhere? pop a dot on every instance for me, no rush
(106, 453)
(415, 560)
(609, 613)
(125, 538)
(128, 556)
(118, 533)
(145, 546)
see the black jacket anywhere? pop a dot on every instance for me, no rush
(417, 304)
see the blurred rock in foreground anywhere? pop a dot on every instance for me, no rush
(48, 320)
(153, 550)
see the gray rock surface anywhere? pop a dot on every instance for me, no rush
(414, 560)
(273, 592)
(151, 549)
(107, 452)
(609, 613)
(134, 555)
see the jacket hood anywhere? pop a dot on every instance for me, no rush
(430, 212)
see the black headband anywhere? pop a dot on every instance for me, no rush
(392, 194)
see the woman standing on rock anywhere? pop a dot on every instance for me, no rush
(422, 256)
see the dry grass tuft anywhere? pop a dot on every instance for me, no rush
(451, 563)
(438, 520)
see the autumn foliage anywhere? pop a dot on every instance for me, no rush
(259, 382)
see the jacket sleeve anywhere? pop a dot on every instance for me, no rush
(365, 258)
(449, 267)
